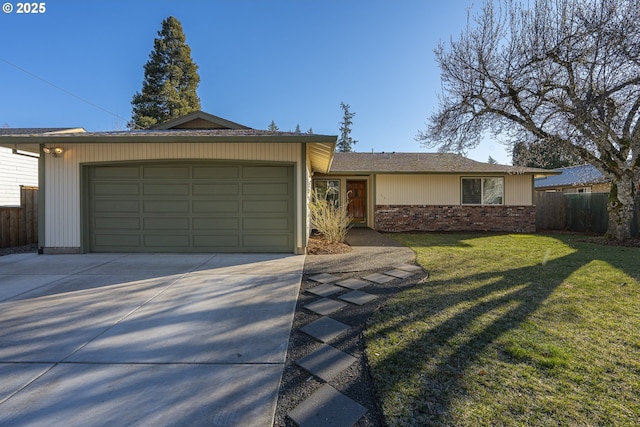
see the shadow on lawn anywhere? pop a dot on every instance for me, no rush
(440, 358)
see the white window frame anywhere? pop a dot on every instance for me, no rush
(483, 182)
(335, 189)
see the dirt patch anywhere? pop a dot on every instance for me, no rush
(318, 245)
(634, 242)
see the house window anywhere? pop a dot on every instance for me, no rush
(328, 189)
(483, 191)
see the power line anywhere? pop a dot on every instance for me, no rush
(35, 76)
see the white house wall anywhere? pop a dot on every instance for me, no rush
(15, 170)
(62, 177)
(443, 190)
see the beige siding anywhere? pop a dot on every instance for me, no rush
(62, 175)
(417, 190)
(518, 190)
(443, 190)
(15, 170)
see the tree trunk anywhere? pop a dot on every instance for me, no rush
(620, 207)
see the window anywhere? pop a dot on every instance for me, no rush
(329, 189)
(482, 191)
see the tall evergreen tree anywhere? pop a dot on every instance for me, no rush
(345, 141)
(170, 80)
(273, 127)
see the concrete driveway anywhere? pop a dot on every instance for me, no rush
(112, 339)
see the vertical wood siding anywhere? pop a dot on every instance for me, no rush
(417, 190)
(15, 170)
(62, 175)
(443, 190)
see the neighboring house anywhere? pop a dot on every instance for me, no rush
(399, 192)
(201, 183)
(574, 179)
(18, 168)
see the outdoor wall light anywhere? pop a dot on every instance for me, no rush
(54, 151)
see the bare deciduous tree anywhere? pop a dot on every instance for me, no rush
(562, 72)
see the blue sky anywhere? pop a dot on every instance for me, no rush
(291, 61)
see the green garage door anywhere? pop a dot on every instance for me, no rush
(191, 207)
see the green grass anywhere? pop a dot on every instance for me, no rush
(511, 330)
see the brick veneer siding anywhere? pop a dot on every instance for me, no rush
(400, 218)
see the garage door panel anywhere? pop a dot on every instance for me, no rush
(277, 224)
(191, 207)
(216, 206)
(265, 172)
(165, 189)
(116, 172)
(169, 241)
(166, 224)
(212, 223)
(222, 189)
(114, 241)
(166, 172)
(116, 206)
(217, 241)
(216, 172)
(116, 189)
(265, 189)
(116, 223)
(165, 206)
(265, 240)
(265, 206)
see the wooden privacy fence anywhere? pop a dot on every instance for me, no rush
(585, 212)
(19, 225)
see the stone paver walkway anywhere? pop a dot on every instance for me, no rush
(327, 406)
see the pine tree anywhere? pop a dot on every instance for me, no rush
(345, 141)
(492, 161)
(170, 80)
(273, 127)
(297, 129)
(310, 131)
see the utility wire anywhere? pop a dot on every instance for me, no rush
(35, 76)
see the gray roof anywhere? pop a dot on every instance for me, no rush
(572, 176)
(420, 163)
(32, 131)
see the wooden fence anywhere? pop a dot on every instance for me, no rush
(19, 225)
(586, 212)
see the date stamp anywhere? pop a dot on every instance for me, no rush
(25, 8)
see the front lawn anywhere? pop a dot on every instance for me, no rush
(511, 330)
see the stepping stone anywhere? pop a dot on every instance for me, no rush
(325, 306)
(326, 362)
(327, 407)
(324, 329)
(378, 278)
(324, 290)
(353, 283)
(324, 278)
(408, 267)
(400, 274)
(358, 297)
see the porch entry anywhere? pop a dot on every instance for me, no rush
(357, 196)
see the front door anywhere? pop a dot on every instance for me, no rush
(357, 196)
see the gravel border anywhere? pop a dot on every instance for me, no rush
(355, 382)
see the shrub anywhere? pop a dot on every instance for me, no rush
(329, 218)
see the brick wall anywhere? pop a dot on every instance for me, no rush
(400, 218)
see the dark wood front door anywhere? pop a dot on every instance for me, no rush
(357, 195)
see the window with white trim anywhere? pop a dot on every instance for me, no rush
(483, 191)
(328, 189)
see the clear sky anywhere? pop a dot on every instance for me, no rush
(79, 63)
